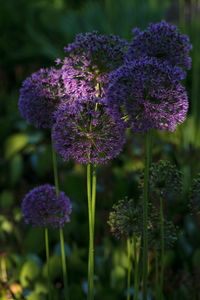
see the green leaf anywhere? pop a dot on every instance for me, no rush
(55, 268)
(29, 272)
(117, 277)
(15, 143)
(36, 296)
(5, 224)
(41, 287)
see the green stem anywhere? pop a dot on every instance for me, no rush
(48, 266)
(140, 263)
(62, 244)
(156, 281)
(136, 268)
(162, 247)
(90, 255)
(129, 267)
(94, 183)
(64, 268)
(91, 214)
(145, 214)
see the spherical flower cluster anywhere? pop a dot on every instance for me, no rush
(163, 41)
(90, 59)
(165, 181)
(195, 196)
(42, 208)
(147, 93)
(40, 95)
(125, 219)
(85, 132)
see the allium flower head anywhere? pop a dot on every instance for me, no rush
(165, 181)
(147, 94)
(42, 208)
(40, 96)
(85, 132)
(125, 219)
(154, 230)
(163, 41)
(97, 53)
(195, 196)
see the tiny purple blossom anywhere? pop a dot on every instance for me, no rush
(103, 54)
(40, 95)
(85, 132)
(41, 207)
(163, 41)
(89, 61)
(147, 93)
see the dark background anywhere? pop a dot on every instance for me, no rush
(32, 35)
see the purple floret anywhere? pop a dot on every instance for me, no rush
(163, 41)
(98, 53)
(41, 207)
(79, 82)
(89, 61)
(147, 93)
(40, 95)
(85, 132)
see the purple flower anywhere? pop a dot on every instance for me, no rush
(42, 208)
(147, 94)
(163, 41)
(40, 95)
(79, 82)
(85, 132)
(89, 61)
(97, 53)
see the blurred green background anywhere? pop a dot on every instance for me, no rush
(32, 35)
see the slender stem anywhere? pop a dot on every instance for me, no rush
(91, 214)
(129, 267)
(48, 266)
(90, 255)
(140, 262)
(64, 268)
(136, 268)
(64, 264)
(145, 214)
(94, 182)
(156, 281)
(162, 247)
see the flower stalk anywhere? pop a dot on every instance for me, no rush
(91, 214)
(62, 245)
(145, 213)
(129, 267)
(162, 247)
(48, 265)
